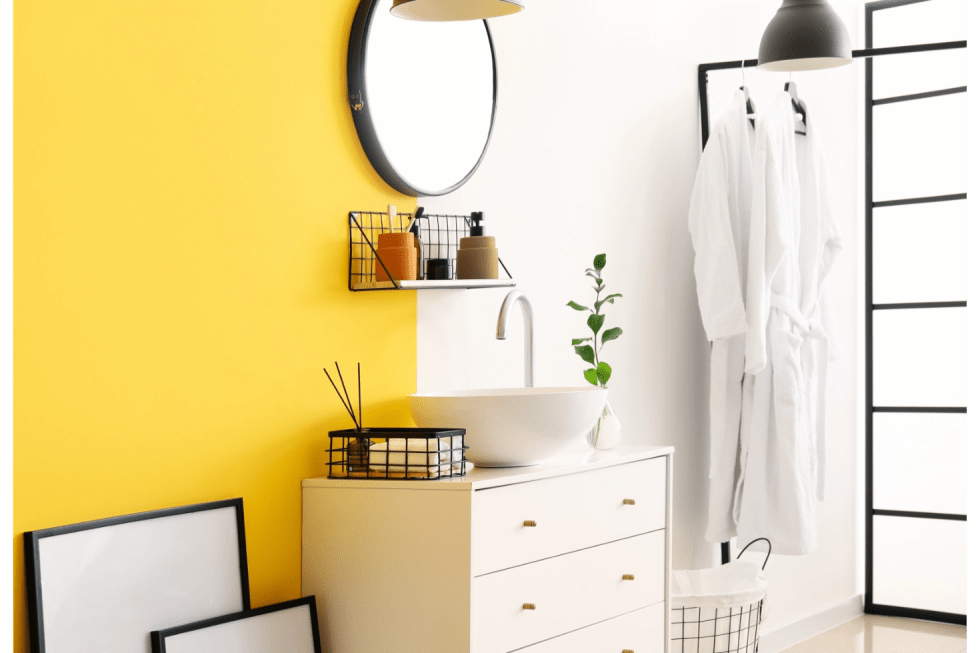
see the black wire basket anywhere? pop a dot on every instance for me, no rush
(397, 453)
(438, 234)
(722, 630)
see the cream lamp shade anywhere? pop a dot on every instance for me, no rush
(447, 10)
(804, 35)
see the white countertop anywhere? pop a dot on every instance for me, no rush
(578, 459)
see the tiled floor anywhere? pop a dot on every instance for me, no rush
(874, 634)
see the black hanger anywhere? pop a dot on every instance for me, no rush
(799, 106)
(749, 106)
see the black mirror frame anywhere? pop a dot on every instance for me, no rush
(360, 105)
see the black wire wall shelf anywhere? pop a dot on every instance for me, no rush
(438, 237)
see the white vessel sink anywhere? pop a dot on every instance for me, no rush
(512, 427)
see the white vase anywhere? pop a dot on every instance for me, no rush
(607, 432)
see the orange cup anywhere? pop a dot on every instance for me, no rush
(402, 262)
(389, 241)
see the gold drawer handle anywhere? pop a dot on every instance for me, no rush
(530, 523)
(627, 650)
(628, 577)
(629, 502)
(530, 606)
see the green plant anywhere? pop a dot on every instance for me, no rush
(600, 372)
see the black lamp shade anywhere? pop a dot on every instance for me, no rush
(805, 35)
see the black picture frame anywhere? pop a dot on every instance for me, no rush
(360, 105)
(158, 638)
(34, 563)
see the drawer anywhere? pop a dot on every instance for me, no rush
(641, 631)
(567, 592)
(568, 512)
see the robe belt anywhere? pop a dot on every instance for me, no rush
(810, 327)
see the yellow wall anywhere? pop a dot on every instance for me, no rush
(183, 170)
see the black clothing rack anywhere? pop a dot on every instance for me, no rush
(703, 70)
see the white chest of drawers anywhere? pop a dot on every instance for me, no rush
(565, 557)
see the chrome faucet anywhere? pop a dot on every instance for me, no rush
(520, 297)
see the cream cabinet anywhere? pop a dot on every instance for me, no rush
(570, 556)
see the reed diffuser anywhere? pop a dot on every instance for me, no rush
(358, 448)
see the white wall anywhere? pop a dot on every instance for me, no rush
(595, 149)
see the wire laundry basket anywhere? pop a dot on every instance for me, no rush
(733, 628)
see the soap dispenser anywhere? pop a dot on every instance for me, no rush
(477, 256)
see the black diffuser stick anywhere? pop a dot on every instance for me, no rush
(359, 417)
(337, 390)
(349, 402)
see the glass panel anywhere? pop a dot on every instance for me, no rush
(926, 22)
(919, 148)
(921, 253)
(919, 72)
(920, 563)
(919, 357)
(920, 462)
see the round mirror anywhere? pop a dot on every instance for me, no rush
(423, 97)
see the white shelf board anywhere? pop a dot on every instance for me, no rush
(457, 283)
(450, 284)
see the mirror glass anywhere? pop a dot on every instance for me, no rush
(427, 93)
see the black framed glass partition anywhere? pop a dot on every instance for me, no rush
(916, 256)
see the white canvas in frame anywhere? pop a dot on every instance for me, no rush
(105, 585)
(289, 627)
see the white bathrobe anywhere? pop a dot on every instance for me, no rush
(719, 224)
(793, 242)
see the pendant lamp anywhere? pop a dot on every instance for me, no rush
(805, 35)
(445, 10)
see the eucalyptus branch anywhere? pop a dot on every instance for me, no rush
(600, 372)
(595, 336)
